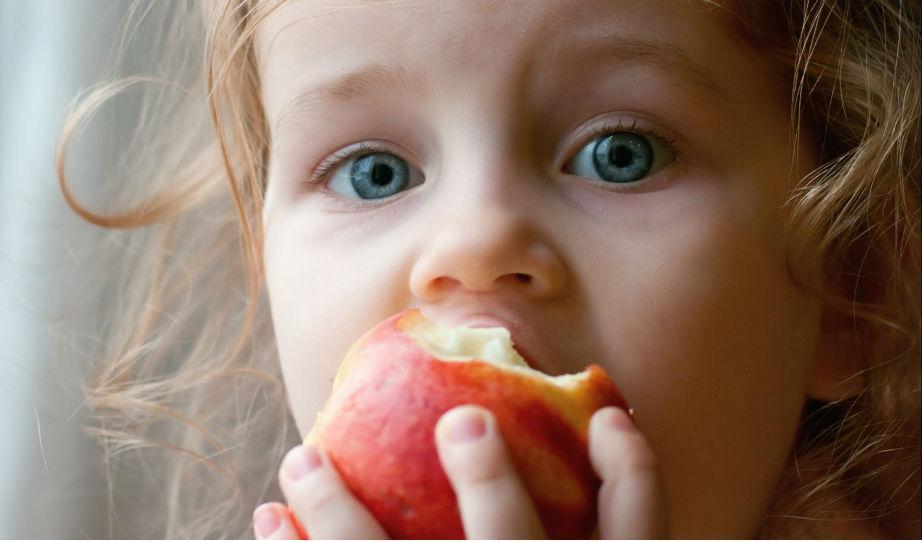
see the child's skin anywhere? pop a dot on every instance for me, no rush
(676, 284)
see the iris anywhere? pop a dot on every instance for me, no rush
(622, 157)
(378, 175)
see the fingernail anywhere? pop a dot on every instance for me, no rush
(302, 460)
(465, 425)
(266, 520)
(619, 420)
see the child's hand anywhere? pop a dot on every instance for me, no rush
(491, 498)
(632, 503)
(318, 500)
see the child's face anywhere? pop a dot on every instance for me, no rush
(665, 267)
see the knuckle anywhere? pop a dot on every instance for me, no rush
(318, 498)
(607, 491)
(483, 466)
(638, 456)
(484, 474)
(314, 495)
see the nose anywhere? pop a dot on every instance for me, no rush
(483, 246)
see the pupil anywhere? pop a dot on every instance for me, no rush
(621, 156)
(381, 174)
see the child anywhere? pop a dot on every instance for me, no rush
(718, 202)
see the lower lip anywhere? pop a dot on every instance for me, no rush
(487, 322)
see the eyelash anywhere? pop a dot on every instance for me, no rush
(326, 167)
(608, 126)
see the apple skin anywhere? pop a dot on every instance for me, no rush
(378, 426)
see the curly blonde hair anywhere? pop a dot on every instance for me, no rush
(186, 383)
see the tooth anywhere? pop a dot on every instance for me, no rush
(494, 349)
(454, 343)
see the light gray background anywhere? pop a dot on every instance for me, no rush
(50, 470)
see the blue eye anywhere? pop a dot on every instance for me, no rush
(620, 157)
(378, 175)
(372, 174)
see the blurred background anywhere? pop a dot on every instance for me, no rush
(53, 484)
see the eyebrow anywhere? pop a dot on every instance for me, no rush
(402, 79)
(630, 51)
(370, 79)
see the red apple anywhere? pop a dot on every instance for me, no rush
(401, 376)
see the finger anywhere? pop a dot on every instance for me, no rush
(632, 503)
(491, 498)
(320, 499)
(272, 521)
(302, 533)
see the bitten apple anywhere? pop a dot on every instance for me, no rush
(401, 376)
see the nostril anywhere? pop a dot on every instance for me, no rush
(523, 278)
(441, 283)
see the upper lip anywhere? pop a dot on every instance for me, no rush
(524, 338)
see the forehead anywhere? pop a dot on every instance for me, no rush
(497, 21)
(308, 42)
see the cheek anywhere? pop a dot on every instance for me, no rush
(323, 297)
(711, 346)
